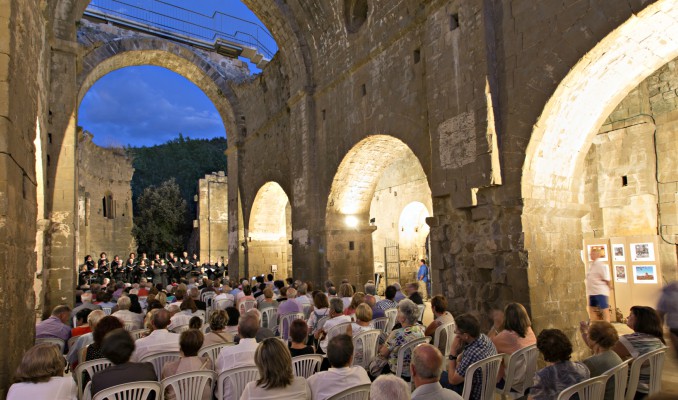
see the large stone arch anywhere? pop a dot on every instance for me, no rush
(348, 231)
(553, 166)
(269, 232)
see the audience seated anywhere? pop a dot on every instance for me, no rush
(600, 337)
(468, 347)
(40, 375)
(512, 331)
(389, 301)
(233, 320)
(341, 375)
(242, 354)
(246, 294)
(442, 316)
(262, 333)
(560, 373)
(389, 387)
(224, 295)
(186, 310)
(647, 335)
(190, 343)
(399, 293)
(302, 298)
(425, 369)
(346, 294)
(84, 340)
(118, 346)
(276, 377)
(218, 333)
(56, 326)
(410, 330)
(357, 299)
(106, 324)
(336, 317)
(81, 325)
(159, 340)
(413, 293)
(320, 310)
(290, 306)
(194, 294)
(298, 336)
(87, 304)
(195, 323)
(667, 307)
(372, 302)
(268, 300)
(126, 316)
(363, 316)
(371, 289)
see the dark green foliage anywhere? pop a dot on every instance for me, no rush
(161, 222)
(183, 160)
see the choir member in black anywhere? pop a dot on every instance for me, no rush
(117, 269)
(83, 276)
(174, 269)
(186, 267)
(140, 272)
(210, 270)
(145, 259)
(103, 266)
(220, 269)
(160, 273)
(184, 257)
(196, 270)
(156, 258)
(130, 265)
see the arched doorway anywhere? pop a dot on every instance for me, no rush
(269, 233)
(556, 208)
(374, 184)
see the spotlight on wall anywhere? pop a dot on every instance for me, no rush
(351, 221)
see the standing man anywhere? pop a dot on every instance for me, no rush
(598, 287)
(425, 275)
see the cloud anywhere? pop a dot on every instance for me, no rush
(142, 106)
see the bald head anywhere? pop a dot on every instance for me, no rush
(161, 319)
(427, 363)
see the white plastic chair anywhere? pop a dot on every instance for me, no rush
(87, 392)
(130, 326)
(60, 343)
(286, 322)
(180, 328)
(590, 389)
(159, 359)
(655, 360)
(107, 310)
(339, 329)
(213, 351)
(391, 313)
(89, 367)
(321, 322)
(365, 347)
(524, 359)
(138, 333)
(620, 374)
(130, 391)
(422, 309)
(380, 323)
(360, 392)
(247, 305)
(207, 296)
(306, 365)
(307, 308)
(404, 350)
(237, 379)
(269, 318)
(443, 338)
(189, 385)
(222, 304)
(489, 369)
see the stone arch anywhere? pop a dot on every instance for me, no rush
(134, 51)
(553, 166)
(269, 232)
(348, 230)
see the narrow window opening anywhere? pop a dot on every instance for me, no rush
(351, 245)
(625, 181)
(454, 21)
(417, 56)
(364, 89)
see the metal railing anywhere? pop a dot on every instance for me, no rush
(165, 19)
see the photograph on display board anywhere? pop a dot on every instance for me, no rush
(620, 273)
(601, 247)
(642, 252)
(618, 252)
(644, 274)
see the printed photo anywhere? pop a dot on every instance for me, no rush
(642, 252)
(618, 252)
(620, 273)
(601, 247)
(644, 274)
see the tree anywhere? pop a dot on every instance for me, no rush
(161, 220)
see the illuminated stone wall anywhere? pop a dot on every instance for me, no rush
(213, 217)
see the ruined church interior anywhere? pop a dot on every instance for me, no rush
(499, 140)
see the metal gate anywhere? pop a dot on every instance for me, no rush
(392, 262)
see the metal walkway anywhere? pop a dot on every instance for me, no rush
(222, 33)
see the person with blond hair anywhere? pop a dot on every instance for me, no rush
(40, 375)
(276, 376)
(218, 333)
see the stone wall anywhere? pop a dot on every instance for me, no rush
(104, 200)
(23, 115)
(213, 217)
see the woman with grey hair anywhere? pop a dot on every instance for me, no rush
(336, 317)
(389, 387)
(410, 330)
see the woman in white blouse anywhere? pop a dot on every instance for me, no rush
(41, 376)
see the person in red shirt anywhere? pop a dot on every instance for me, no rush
(82, 326)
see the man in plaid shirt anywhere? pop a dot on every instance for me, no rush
(468, 347)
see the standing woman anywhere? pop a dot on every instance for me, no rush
(598, 287)
(277, 380)
(40, 375)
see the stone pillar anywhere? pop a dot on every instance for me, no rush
(235, 231)
(60, 264)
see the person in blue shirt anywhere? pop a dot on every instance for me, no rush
(425, 276)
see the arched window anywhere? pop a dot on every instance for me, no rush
(108, 205)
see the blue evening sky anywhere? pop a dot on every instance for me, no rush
(148, 105)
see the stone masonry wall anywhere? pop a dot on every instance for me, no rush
(213, 217)
(103, 172)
